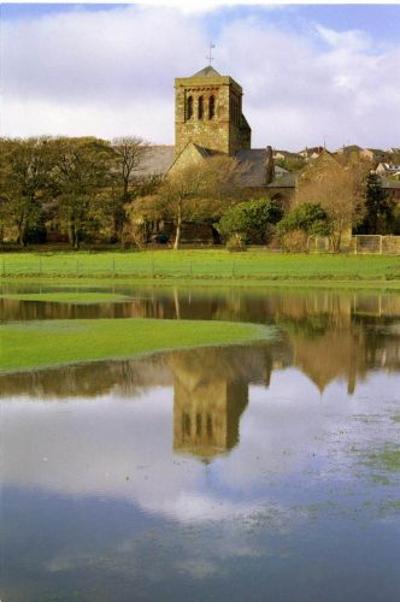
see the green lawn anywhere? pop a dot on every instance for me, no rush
(203, 264)
(40, 344)
(77, 298)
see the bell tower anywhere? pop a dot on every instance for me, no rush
(208, 112)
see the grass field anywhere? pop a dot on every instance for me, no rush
(79, 298)
(41, 344)
(254, 265)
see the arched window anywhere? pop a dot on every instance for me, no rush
(189, 107)
(211, 107)
(200, 108)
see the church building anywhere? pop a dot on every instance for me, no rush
(208, 112)
(209, 120)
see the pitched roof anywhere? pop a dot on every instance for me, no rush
(254, 175)
(254, 159)
(287, 180)
(206, 72)
(157, 160)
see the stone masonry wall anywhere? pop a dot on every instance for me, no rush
(220, 132)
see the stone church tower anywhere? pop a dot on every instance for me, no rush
(208, 112)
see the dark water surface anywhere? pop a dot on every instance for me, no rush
(268, 472)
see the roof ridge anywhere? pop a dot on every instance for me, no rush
(207, 71)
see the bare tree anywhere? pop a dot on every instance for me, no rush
(129, 153)
(337, 188)
(193, 193)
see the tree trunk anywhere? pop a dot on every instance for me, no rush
(71, 234)
(178, 229)
(21, 237)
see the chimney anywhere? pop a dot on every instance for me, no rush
(269, 166)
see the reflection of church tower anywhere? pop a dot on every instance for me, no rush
(208, 112)
(207, 410)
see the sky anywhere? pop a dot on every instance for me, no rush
(310, 73)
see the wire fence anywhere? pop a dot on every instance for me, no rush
(143, 266)
(360, 244)
(381, 245)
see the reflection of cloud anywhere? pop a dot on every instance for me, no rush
(120, 449)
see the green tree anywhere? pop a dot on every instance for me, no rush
(81, 178)
(379, 208)
(250, 220)
(304, 220)
(25, 166)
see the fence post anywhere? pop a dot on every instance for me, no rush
(380, 244)
(355, 245)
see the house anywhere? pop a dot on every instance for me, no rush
(311, 153)
(388, 169)
(392, 188)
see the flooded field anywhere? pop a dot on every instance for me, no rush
(257, 472)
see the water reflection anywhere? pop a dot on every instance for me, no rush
(256, 305)
(327, 336)
(225, 473)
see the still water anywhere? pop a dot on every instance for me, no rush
(267, 472)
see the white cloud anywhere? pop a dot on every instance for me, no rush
(353, 40)
(111, 72)
(203, 6)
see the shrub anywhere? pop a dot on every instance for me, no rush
(250, 219)
(294, 241)
(236, 243)
(309, 218)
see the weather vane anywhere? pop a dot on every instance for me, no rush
(210, 56)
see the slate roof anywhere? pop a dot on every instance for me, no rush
(208, 71)
(157, 160)
(288, 180)
(254, 159)
(254, 176)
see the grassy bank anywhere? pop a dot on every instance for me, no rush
(40, 344)
(198, 265)
(74, 297)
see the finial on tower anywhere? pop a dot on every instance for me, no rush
(210, 57)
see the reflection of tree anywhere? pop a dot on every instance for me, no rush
(126, 378)
(326, 334)
(335, 354)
